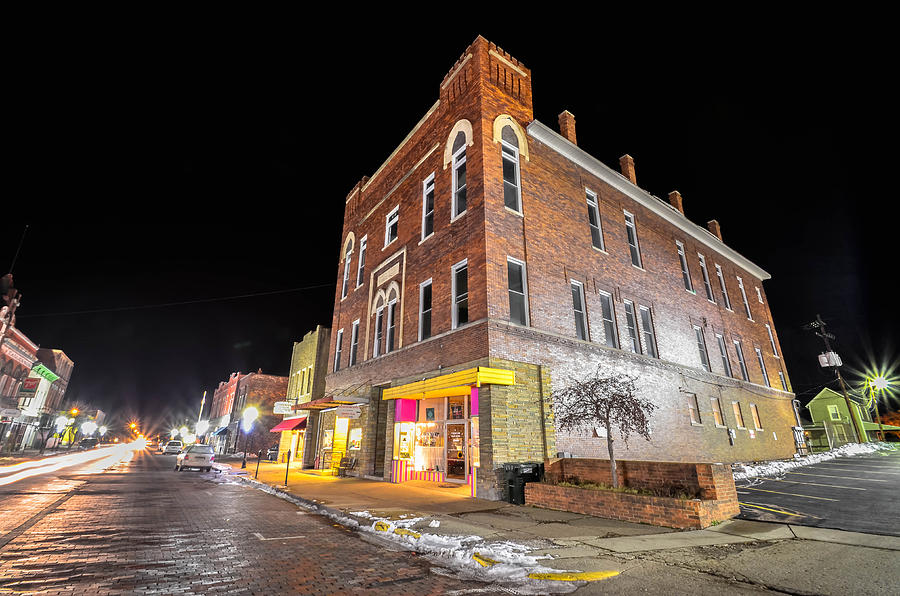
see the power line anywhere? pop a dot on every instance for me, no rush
(181, 303)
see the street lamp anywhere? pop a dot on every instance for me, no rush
(250, 414)
(877, 383)
(88, 428)
(202, 427)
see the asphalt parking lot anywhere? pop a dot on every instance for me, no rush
(857, 494)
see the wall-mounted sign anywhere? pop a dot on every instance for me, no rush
(10, 412)
(349, 411)
(282, 407)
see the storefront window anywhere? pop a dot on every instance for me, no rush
(327, 439)
(474, 444)
(355, 438)
(403, 439)
(457, 408)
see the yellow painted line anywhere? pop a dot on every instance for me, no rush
(484, 561)
(767, 509)
(405, 532)
(816, 484)
(748, 504)
(381, 526)
(859, 469)
(841, 477)
(762, 490)
(575, 576)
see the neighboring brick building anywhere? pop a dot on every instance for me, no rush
(489, 259)
(260, 391)
(306, 382)
(220, 413)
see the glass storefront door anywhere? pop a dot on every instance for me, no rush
(456, 451)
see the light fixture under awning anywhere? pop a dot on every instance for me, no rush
(290, 424)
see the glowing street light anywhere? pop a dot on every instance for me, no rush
(174, 433)
(877, 383)
(202, 427)
(183, 431)
(61, 422)
(250, 414)
(102, 430)
(88, 427)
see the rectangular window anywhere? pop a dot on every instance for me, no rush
(783, 380)
(346, 279)
(717, 411)
(706, 285)
(726, 363)
(593, 207)
(694, 409)
(758, 294)
(772, 341)
(581, 328)
(744, 296)
(631, 231)
(390, 342)
(460, 294)
(354, 342)
(511, 195)
(338, 346)
(834, 413)
(459, 182)
(609, 321)
(754, 411)
(762, 366)
(725, 300)
(743, 363)
(685, 272)
(361, 266)
(309, 376)
(518, 304)
(425, 310)
(649, 334)
(379, 331)
(738, 414)
(428, 207)
(390, 226)
(634, 344)
(701, 348)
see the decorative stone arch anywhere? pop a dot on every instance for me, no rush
(463, 126)
(349, 243)
(393, 288)
(507, 120)
(380, 299)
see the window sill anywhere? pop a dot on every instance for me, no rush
(711, 301)
(600, 250)
(721, 426)
(388, 244)
(454, 218)
(514, 212)
(639, 268)
(431, 235)
(698, 424)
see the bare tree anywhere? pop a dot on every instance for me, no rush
(606, 400)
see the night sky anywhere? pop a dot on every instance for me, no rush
(166, 175)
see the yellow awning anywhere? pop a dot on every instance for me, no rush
(452, 384)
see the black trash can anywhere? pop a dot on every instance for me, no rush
(516, 475)
(516, 489)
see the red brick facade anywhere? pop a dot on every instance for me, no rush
(486, 90)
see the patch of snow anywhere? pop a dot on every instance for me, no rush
(744, 471)
(434, 524)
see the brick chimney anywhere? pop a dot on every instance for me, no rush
(626, 162)
(567, 126)
(714, 227)
(675, 200)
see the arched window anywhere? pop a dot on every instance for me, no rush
(459, 175)
(346, 279)
(391, 335)
(379, 324)
(509, 149)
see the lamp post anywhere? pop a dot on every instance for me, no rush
(250, 414)
(878, 383)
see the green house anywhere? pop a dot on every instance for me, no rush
(832, 425)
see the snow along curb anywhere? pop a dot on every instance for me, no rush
(743, 471)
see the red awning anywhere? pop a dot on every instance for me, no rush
(290, 424)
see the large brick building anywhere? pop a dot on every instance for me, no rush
(489, 259)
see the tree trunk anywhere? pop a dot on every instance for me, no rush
(612, 457)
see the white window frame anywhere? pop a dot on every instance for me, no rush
(427, 186)
(459, 161)
(833, 412)
(379, 333)
(739, 350)
(725, 297)
(706, 283)
(634, 249)
(609, 325)
(454, 305)
(390, 330)
(345, 283)
(650, 347)
(754, 413)
(783, 380)
(700, 340)
(738, 415)
(577, 285)
(758, 294)
(744, 296)
(685, 271)
(762, 366)
(354, 343)
(392, 217)
(422, 286)
(772, 341)
(631, 326)
(694, 408)
(593, 204)
(504, 146)
(338, 349)
(361, 262)
(723, 351)
(717, 408)
(524, 290)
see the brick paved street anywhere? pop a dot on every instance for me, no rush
(140, 527)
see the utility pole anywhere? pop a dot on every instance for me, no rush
(818, 326)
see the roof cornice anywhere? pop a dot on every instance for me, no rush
(573, 153)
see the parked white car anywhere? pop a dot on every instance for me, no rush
(173, 447)
(195, 456)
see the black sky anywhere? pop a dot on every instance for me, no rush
(161, 165)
